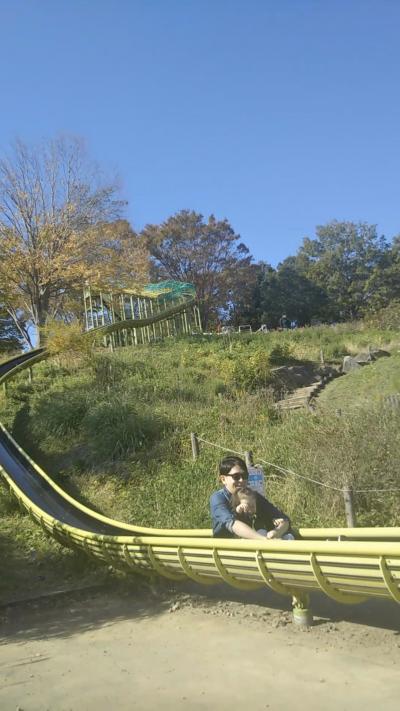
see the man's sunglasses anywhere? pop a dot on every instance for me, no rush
(237, 477)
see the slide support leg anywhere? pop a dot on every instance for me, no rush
(302, 613)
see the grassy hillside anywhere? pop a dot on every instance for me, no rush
(367, 387)
(114, 431)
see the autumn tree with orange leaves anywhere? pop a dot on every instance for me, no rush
(60, 225)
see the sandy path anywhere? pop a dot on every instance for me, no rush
(180, 651)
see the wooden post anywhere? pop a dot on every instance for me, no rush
(195, 445)
(349, 506)
(5, 388)
(248, 456)
(30, 375)
(321, 356)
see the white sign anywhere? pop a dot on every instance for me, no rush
(256, 479)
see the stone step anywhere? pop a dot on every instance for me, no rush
(301, 396)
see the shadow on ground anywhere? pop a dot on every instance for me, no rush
(133, 599)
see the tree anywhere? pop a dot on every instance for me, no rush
(341, 261)
(59, 226)
(246, 296)
(10, 338)
(207, 254)
(287, 290)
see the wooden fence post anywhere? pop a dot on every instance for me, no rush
(349, 506)
(195, 445)
(248, 456)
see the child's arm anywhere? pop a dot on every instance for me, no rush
(281, 527)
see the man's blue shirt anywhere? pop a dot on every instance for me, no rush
(223, 518)
(221, 515)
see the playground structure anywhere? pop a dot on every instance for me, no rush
(145, 315)
(348, 565)
(244, 328)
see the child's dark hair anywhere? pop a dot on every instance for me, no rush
(227, 463)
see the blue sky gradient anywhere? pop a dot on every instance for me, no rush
(278, 116)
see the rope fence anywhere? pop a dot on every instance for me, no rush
(347, 490)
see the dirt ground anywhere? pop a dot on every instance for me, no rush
(142, 648)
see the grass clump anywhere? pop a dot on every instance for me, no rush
(115, 428)
(60, 411)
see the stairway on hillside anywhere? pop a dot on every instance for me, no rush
(303, 398)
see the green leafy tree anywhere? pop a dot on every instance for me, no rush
(246, 296)
(206, 253)
(287, 290)
(10, 338)
(341, 261)
(383, 286)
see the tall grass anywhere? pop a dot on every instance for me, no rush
(116, 432)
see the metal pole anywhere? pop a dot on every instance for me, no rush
(302, 614)
(153, 327)
(85, 307)
(199, 318)
(91, 306)
(103, 318)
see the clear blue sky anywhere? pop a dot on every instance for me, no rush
(278, 115)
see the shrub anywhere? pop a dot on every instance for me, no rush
(107, 370)
(60, 337)
(59, 412)
(281, 353)
(386, 318)
(115, 428)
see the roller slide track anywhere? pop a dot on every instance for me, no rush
(348, 565)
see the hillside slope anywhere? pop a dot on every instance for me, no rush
(365, 387)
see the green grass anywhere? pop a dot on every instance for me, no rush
(365, 387)
(114, 431)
